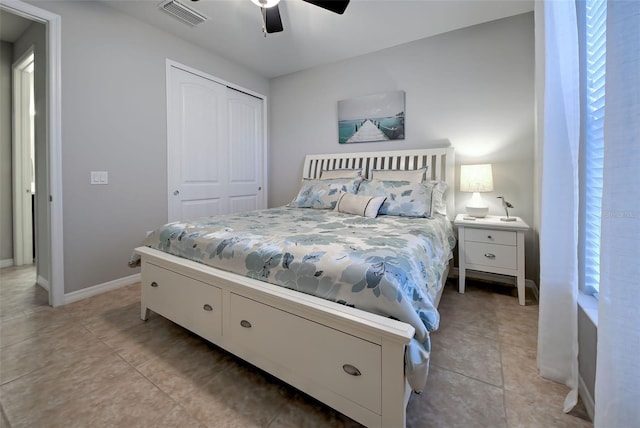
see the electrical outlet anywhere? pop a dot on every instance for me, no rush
(99, 177)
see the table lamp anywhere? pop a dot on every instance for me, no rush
(476, 179)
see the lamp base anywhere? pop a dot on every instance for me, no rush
(477, 211)
(476, 207)
(507, 219)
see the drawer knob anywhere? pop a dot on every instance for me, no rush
(207, 307)
(489, 237)
(490, 256)
(154, 284)
(352, 370)
(245, 324)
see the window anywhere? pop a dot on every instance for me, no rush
(595, 69)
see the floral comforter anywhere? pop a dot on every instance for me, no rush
(389, 265)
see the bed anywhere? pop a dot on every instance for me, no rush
(306, 305)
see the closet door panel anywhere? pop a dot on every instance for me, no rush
(246, 157)
(196, 145)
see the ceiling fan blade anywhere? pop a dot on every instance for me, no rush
(336, 6)
(272, 20)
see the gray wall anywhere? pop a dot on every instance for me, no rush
(35, 36)
(587, 351)
(6, 180)
(114, 119)
(472, 87)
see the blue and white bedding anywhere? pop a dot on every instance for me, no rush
(389, 265)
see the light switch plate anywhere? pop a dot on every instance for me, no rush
(99, 177)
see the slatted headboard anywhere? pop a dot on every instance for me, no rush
(440, 163)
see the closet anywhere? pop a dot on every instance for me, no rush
(216, 146)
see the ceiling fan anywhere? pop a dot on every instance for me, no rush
(271, 21)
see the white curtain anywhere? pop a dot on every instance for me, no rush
(617, 392)
(558, 134)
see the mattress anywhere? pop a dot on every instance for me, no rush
(389, 265)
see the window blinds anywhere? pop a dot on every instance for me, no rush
(596, 21)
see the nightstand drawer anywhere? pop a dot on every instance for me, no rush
(503, 237)
(500, 256)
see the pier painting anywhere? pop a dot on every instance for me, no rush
(378, 117)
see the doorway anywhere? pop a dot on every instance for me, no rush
(24, 162)
(48, 182)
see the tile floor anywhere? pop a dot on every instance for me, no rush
(93, 363)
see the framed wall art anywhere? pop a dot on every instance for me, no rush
(378, 117)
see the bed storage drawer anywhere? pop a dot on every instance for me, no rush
(193, 304)
(346, 365)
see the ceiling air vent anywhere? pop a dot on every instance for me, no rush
(182, 12)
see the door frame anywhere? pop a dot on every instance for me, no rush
(265, 158)
(22, 140)
(54, 140)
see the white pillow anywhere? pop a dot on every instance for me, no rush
(410, 175)
(366, 206)
(330, 174)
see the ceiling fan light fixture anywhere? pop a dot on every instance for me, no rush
(265, 3)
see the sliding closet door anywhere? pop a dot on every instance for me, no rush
(246, 157)
(214, 145)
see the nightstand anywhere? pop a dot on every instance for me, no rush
(489, 244)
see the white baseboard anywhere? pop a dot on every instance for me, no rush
(587, 399)
(6, 263)
(492, 277)
(74, 296)
(43, 282)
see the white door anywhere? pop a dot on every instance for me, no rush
(246, 157)
(215, 147)
(23, 159)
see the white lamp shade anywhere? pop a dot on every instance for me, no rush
(265, 3)
(476, 178)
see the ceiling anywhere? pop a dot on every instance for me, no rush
(313, 36)
(12, 26)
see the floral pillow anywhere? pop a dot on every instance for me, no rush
(438, 196)
(323, 194)
(403, 197)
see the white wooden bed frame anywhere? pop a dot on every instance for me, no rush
(349, 359)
